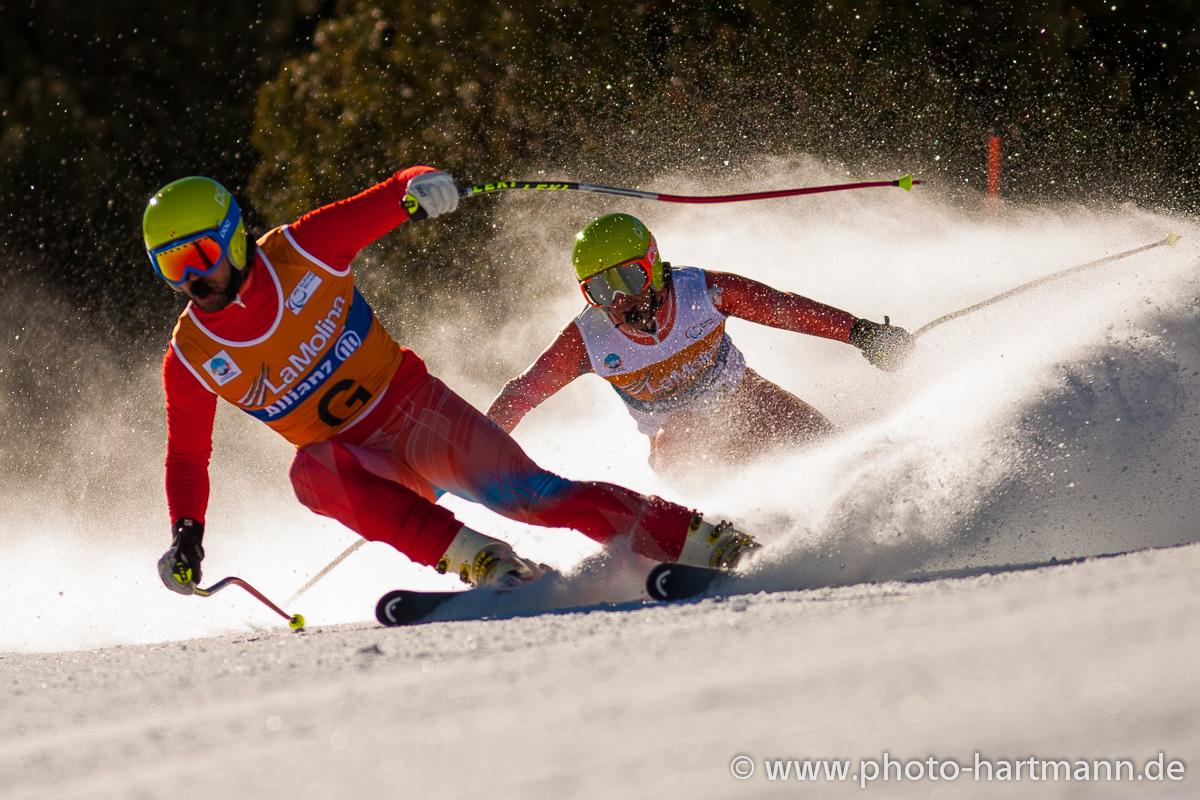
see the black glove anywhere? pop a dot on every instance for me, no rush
(179, 567)
(886, 346)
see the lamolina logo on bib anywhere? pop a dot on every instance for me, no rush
(301, 360)
(335, 339)
(682, 374)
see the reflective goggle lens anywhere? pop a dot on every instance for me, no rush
(602, 288)
(200, 255)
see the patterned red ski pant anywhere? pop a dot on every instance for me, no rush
(380, 478)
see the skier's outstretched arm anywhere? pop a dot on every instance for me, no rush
(191, 408)
(748, 299)
(334, 234)
(885, 345)
(562, 362)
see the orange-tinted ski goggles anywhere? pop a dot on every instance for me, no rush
(630, 277)
(198, 254)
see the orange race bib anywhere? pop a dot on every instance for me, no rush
(322, 364)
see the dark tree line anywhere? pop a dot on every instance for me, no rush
(101, 104)
(297, 103)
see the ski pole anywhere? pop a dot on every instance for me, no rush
(326, 570)
(905, 182)
(294, 621)
(440, 493)
(1169, 240)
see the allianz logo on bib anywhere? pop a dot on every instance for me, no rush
(347, 343)
(307, 369)
(221, 368)
(303, 291)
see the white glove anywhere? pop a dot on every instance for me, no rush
(435, 192)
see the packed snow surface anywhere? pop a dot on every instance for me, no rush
(1091, 661)
(1059, 423)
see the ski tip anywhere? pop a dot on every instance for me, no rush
(905, 182)
(669, 581)
(1171, 239)
(656, 582)
(385, 609)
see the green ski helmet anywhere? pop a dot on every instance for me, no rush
(612, 240)
(189, 224)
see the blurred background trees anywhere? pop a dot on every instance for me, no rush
(294, 103)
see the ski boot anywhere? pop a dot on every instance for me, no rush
(485, 562)
(710, 553)
(718, 546)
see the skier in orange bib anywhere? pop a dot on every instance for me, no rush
(656, 333)
(281, 332)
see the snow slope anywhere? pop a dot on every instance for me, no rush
(1087, 661)
(1060, 423)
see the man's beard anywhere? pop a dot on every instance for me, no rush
(644, 316)
(206, 295)
(209, 298)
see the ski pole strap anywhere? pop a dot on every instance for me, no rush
(1169, 240)
(415, 212)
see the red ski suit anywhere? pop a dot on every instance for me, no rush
(377, 435)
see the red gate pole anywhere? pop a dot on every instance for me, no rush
(993, 166)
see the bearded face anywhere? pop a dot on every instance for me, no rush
(637, 313)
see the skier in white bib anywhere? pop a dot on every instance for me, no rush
(656, 333)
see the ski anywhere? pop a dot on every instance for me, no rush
(410, 606)
(669, 581)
